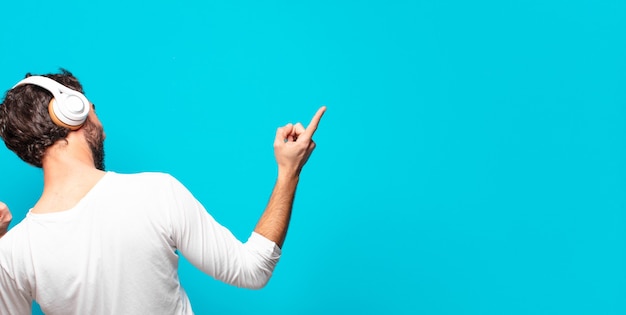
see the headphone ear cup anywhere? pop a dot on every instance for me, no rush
(56, 120)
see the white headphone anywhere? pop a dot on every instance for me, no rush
(68, 108)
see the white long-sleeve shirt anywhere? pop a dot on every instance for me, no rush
(115, 252)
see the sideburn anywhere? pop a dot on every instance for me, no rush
(95, 139)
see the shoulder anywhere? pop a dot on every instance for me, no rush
(142, 179)
(143, 176)
(13, 236)
(146, 182)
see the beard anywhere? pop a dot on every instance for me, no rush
(95, 140)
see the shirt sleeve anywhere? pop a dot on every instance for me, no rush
(13, 299)
(213, 249)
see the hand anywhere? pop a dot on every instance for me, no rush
(294, 144)
(5, 218)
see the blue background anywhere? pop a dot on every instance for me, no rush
(472, 159)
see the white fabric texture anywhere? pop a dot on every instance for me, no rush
(115, 252)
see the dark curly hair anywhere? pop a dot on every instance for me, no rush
(25, 124)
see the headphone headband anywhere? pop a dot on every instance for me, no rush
(68, 108)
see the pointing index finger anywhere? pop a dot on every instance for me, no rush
(312, 127)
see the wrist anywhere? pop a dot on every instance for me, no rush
(288, 175)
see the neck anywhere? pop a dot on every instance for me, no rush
(69, 174)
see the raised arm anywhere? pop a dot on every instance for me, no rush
(292, 147)
(5, 218)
